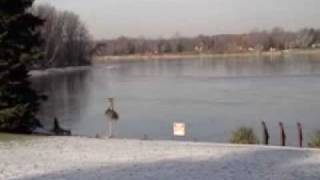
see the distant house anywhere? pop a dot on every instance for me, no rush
(257, 48)
(198, 49)
(272, 49)
(316, 45)
(250, 49)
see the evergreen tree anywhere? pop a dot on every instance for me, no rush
(19, 47)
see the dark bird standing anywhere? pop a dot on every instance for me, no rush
(112, 116)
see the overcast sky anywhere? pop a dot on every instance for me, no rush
(163, 18)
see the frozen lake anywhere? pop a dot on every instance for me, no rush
(212, 96)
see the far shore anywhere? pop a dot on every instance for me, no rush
(315, 52)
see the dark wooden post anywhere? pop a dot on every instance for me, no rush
(265, 134)
(300, 135)
(282, 135)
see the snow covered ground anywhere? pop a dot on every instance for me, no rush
(77, 158)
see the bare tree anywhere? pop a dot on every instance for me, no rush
(66, 39)
(306, 37)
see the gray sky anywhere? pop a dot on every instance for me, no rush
(163, 18)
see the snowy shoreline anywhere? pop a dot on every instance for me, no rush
(80, 158)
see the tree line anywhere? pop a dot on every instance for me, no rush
(66, 40)
(275, 39)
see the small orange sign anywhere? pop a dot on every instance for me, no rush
(179, 129)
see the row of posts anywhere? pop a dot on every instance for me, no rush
(266, 136)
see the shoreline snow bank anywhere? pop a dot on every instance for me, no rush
(83, 158)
